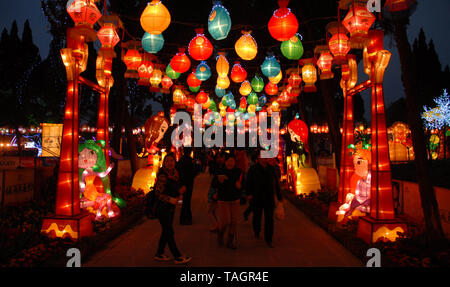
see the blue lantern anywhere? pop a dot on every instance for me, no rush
(262, 101)
(258, 108)
(219, 22)
(270, 67)
(220, 92)
(203, 71)
(152, 43)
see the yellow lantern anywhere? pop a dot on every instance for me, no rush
(223, 113)
(275, 80)
(246, 88)
(223, 82)
(309, 75)
(222, 107)
(275, 106)
(156, 78)
(222, 65)
(155, 18)
(178, 96)
(246, 46)
(251, 109)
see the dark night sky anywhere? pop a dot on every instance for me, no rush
(432, 15)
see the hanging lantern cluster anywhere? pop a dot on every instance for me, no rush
(309, 75)
(283, 24)
(200, 48)
(339, 42)
(292, 49)
(155, 18)
(358, 22)
(246, 46)
(180, 63)
(152, 43)
(238, 74)
(219, 22)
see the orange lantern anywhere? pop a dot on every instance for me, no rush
(156, 78)
(246, 88)
(83, 12)
(180, 63)
(132, 60)
(192, 80)
(238, 74)
(358, 22)
(155, 18)
(166, 82)
(325, 63)
(283, 24)
(178, 95)
(339, 43)
(223, 82)
(295, 80)
(271, 89)
(246, 46)
(200, 48)
(309, 74)
(108, 36)
(222, 66)
(275, 80)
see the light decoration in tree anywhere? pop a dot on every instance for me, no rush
(246, 46)
(283, 24)
(219, 21)
(152, 43)
(155, 18)
(438, 117)
(200, 48)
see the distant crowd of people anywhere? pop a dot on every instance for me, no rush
(239, 178)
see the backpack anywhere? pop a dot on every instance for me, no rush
(151, 200)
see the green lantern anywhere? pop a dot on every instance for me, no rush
(257, 84)
(252, 99)
(292, 49)
(194, 89)
(171, 73)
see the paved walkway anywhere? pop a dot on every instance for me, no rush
(298, 242)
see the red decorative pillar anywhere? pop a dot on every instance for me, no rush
(346, 169)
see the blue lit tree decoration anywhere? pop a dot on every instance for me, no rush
(438, 117)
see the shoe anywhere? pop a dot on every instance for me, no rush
(182, 260)
(161, 257)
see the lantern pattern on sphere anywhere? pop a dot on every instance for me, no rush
(145, 71)
(271, 89)
(223, 82)
(270, 67)
(246, 47)
(358, 22)
(283, 24)
(203, 72)
(238, 74)
(171, 73)
(339, 47)
(156, 77)
(275, 80)
(309, 75)
(192, 80)
(324, 63)
(219, 22)
(83, 12)
(194, 89)
(257, 84)
(200, 48)
(108, 36)
(180, 63)
(245, 88)
(152, 43)
(132, 60)
(292, 49)
(155, 18)
(222, 65)
(295, 80)
(220, 92)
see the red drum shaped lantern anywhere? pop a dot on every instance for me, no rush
(108, 36)
(283, 24)
(132, 60)
(295, 80)
(83, 12)
(200, 48)
(145, 70)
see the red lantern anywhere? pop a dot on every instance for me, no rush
(145, 71)
(83, 12)
(108, 36)
(358, 22)
(399, 5)
(339, 47)
(180, 63)
(166, 82)
(243, 103)
(271, 89)
(193, 81)
(283, 25)
(201, 98)
(200, 48)
(238, 74)
(132, 60)
(295, 80)
(325, 63)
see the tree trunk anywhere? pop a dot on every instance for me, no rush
(427, 195)
(328, 90)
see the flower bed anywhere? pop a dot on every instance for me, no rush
(410, 250)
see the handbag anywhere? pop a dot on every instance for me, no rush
(279, 211)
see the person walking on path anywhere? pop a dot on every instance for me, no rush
(187, 170)
(264, 188)
(217, 163)
(168, 190)
(228, 181)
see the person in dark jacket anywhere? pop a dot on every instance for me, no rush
(228, 182)
(168, 190)
(187, 170)
(263, 186)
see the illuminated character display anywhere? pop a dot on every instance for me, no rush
(95, 189)
(155, 128)
(357, 202)
(298, 131)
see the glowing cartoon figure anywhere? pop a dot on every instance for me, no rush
(298, 131)
(360, 184)
(155, 128)
(92, 165)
